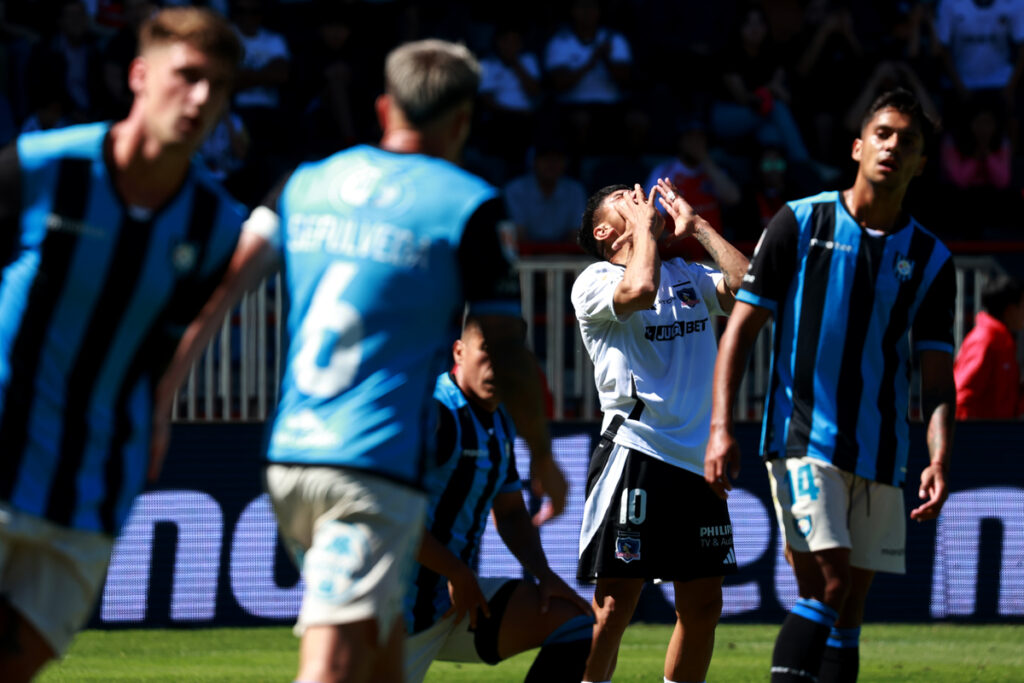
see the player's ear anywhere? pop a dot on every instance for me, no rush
(858, 146)
(458, 349)
(137, 74)
(382, 106)
(920, 166)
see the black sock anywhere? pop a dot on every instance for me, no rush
(563, 655)
(559, 662)
(841, 661)
(801, 641)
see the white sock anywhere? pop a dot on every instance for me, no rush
(667, 680)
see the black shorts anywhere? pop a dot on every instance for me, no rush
(647, 519)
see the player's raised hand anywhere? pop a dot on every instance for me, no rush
(466, 596)
(679, 210)
(639, 213)
(546, 478)
(551, 586)
(721, 461)
(933, 491)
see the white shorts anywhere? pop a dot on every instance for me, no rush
(446, 640)
(354, 536)
(820, 507)
(51, 574)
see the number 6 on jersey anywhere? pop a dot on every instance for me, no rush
(331, 337)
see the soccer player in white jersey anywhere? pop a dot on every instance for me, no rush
(649, 514)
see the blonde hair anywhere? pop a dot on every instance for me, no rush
(427, 78)
(201, 28)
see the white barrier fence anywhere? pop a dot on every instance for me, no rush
(238, 377)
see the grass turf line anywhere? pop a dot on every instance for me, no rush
(932, 653)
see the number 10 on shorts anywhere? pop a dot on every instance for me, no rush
(633, 507)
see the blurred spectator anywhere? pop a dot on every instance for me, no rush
(886, 76)
(545, 205)
(984, 44)
(699, 180)
(754, 98)
(832, 59)
(324, 82)
(225, 148)
(117, 56)
(265, 65)
(976, 154)
(509, 92)
(987, 375)
(71, 57)
(589, 65)
(771, 189)
(265, 69)
(976, 161)
(49, 108)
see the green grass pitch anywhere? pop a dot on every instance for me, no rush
(936, 653)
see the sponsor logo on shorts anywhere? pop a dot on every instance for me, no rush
(896, 552)
(714, 536)
(804, 526)
(730, 557)
(627, 548)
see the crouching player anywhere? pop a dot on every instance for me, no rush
(452, 614)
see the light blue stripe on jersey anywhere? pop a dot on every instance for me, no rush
(833, 337)
(61, 343)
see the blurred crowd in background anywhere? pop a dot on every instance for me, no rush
(743, 104)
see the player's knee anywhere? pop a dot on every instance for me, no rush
(837, 588)
(701, 609)
(612, 614)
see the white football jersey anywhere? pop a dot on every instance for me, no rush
(654, 367)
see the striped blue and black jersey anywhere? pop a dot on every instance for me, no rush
(381, 252)
(475, 462)
(94, 297)
(848, 308)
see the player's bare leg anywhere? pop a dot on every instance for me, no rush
(823, 581)
(698, 607)
(348, 653)
(614, 603)
(823, 575)
(841, 661)
(524, 627)
(23, 650)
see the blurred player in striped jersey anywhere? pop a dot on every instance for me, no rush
(451, 614)
(851, 282)
(113, 240)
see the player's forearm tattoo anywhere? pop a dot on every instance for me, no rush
(731, 271)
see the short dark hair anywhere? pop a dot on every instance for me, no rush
(905, 102)
(585, 237)
(1000, 292)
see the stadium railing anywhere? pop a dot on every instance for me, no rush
(238, 377)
